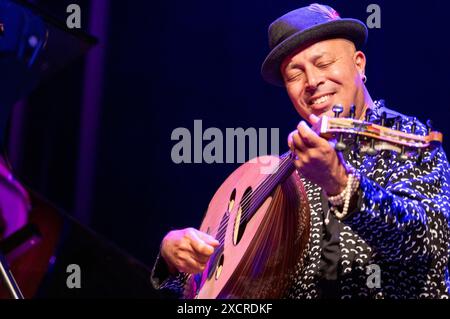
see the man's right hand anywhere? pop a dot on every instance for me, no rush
(187, 250)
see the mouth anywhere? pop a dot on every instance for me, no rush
(319, 103)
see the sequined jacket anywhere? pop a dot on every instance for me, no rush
(398, 232)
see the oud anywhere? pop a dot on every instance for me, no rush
(262, 221)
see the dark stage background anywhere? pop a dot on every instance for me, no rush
(95, 138)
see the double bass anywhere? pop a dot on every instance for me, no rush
(39, 241)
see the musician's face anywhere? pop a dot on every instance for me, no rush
(325, 74)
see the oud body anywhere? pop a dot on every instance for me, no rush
(262, 223)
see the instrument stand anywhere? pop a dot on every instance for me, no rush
(7, 277)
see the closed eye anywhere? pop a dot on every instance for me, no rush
(294, 75)
(324, 64)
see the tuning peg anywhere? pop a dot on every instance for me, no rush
(420, 151)
(383, 118)
(356, 151)
(402, 156)
(368, 114)
(352, 111)
(338, 109)
(371, 150)
(340, 145)
(397, 124)
(356, 145)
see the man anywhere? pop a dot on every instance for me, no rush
(367, 212)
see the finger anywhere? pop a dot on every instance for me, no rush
(197, 258)
(210, 240)
(315, 122)
(291, 140)
(308, 136)
(197, 266)
(200, 246)
(314, 119)
(192, 266)
(299, 158)
(332, 143)
(201, 259)
(298, 143)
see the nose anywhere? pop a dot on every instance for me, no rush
(314, 78)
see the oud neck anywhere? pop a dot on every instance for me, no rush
(285, 167)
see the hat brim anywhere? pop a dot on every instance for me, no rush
(351, 29)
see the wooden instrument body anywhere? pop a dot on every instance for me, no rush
(255, 258)
(28, 220)
(14, 203)
(39, 242)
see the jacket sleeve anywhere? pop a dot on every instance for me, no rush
(161, 278)
(406, 219)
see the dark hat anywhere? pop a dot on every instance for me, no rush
(306, 26)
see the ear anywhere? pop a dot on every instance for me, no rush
(360, 62)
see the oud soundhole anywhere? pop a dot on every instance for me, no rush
(232, 200)
(242, 216)
(219, 267)
(216, 260)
